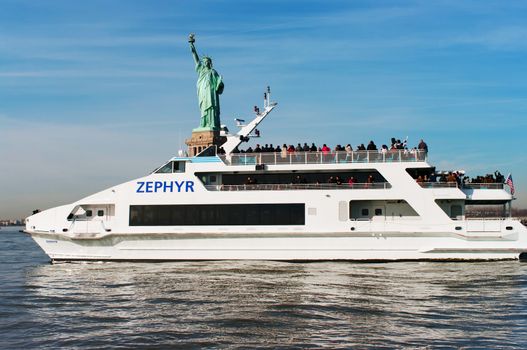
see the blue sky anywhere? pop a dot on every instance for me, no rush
(94, 93)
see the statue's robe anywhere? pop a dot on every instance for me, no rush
(210, 86)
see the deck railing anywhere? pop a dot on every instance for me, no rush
(438, 184)
(324, 157)
(476, 186)
(280, 187)
(484, 186)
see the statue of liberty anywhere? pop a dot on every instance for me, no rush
(210, 87)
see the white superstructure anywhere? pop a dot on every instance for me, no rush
(203, 207)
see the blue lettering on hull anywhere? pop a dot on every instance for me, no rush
(164, 186)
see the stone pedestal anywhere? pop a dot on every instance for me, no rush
(203, 139)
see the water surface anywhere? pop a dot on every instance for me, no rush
(247, 304)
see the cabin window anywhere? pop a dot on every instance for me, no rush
(89, 213)
(388, 209)
(455, 211)
(165, 169)
(217, 214)
(179, 167)
(100, 212)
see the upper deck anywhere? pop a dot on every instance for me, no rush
(278, 158)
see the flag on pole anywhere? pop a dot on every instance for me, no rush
(510, 183)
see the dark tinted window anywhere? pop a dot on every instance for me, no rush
(223, 214)
(89, 213)
(365, 212)
(100, 212)
(179, 167)
(378, 211)
(165, 169)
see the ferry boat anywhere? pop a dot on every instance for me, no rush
(202, 207)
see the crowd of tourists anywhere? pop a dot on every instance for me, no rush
(395, 144)
(460, 179)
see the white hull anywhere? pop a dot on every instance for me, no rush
(374, 247)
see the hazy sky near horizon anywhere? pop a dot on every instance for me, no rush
(94, 93)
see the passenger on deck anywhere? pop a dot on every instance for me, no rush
(257, 149)
(278, 149)
(298, 148)
(271, 148)
(299, 180)
(305, 148)
(351, 181)
(372, 146)
(423, 146)
(361, 147)
(284, 151)
(433, 177)
(291, 149)
(313, 147)
(499, 177)
(369, 181)
(325, 149)
(249, 150)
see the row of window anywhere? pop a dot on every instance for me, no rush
(217, 214)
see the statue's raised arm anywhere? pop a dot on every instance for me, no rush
(191, 40)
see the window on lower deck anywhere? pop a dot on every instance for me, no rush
(389, 209)
(456, 211)
(220, 214)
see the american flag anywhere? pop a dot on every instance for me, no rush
(510, 183)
